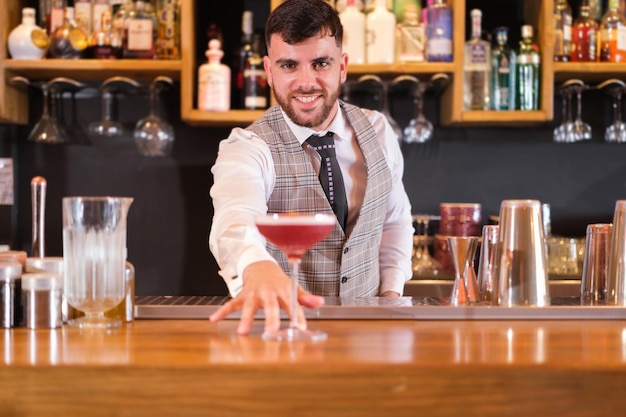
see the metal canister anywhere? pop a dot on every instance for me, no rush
(51, 264)
(10, 290)
(42, 294)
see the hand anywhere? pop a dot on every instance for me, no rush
(390, 294)
(267, 287)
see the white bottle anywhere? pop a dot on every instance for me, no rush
(22, 44)
(381, 30)
(353, 21)
(214, 81)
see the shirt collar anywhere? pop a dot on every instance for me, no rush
(338, 126)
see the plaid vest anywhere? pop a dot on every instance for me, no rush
(339, 265)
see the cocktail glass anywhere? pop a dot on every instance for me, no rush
(295, 234)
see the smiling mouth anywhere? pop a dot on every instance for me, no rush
(306, 99)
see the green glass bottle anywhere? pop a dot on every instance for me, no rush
(528, 71)
(503, 72)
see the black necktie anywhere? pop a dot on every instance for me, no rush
(330, 175)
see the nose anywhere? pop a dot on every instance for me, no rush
(306, 78)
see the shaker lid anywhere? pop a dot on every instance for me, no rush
(10, 270)
(45, 264)
(42, 281)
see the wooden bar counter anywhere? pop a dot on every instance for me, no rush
(187, 368)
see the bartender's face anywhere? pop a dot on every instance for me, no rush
(306, 78)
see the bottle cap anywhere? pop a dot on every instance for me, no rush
(214, 53)
(527, 31)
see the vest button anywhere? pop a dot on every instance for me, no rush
(346, 250)
(344, 280)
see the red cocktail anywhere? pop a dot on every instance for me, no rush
(294, 234)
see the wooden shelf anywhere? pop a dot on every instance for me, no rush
(589, 72)
(86, 69)
(240, 118)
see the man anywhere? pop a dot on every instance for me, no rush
(269, 165)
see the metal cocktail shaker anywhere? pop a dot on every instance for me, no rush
(521, 260)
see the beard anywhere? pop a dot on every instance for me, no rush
(310, 119)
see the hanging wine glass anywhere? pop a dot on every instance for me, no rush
(154, 136)
(616, 132)
(72, 132)
(409, 133)
(581, 128)
(384, 101)
(564, 133)
(108, 126)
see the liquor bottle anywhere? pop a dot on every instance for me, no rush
(503, 63)
(241, 58)
(82, 15)
(27, 40)
(119, 13)
(99, 7)
(105, 44)
(528, 71)
(562, 18)
(214, 80)
(255, 86)
(410, 37)
(439, 32)
(168, 40)
(613, 34)
(399, 7)
(595, 9)
(477, 68)
(380, 27)
(353, 21)
(140, 33)
(340, 5)
(68, 41)
(55, 16)
(584, 36)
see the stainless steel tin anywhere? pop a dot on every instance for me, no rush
(10, 290)
(51, 264)
(42, 296)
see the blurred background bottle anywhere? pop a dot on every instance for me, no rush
(477, 68)
(353, 21)
(241, 58)
(562, 19)
(105, 43)
(584, 36)
(168, 40)
(140, 32)
(256, 89)
(528, 71)
(503, 63)
(380, 26)
(439, 32)
(99, 7)
(613, 34)
(410, 36)
(68, 41)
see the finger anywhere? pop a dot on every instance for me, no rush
(272, 315)
(228, 308)
(249, 309)
(307, 299)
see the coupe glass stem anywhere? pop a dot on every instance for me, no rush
(293, 308)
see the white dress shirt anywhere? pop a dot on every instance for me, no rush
(244, 177)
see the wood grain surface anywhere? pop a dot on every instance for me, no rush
(365, 368)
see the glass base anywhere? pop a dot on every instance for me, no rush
(95, 322)
(291, 334)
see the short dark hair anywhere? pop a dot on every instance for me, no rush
(298, 20)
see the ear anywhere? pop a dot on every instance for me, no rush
(267, 64)
(343, 67)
